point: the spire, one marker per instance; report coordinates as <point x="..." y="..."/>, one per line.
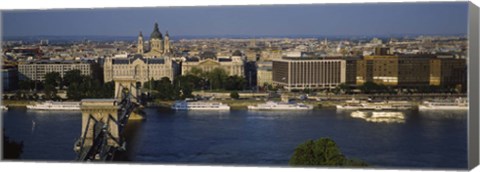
<point x="166" y="33"/>
<point x="140" y="35"/>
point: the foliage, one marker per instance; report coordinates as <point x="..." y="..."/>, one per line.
<point x="11" y="149"/>
<point x="323" y="151"/>
<point x="217" y="78"/>
<point x="234" y="95"/>
<point x="53" y="79"/>
<point x="72" y="76"/>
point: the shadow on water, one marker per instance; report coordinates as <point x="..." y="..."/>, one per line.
<point x="132" y="139"/>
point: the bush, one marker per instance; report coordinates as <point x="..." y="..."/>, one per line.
<point x="323" y="152"/>
<point x="234" y="95"/>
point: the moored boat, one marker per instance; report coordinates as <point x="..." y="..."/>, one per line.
<point x="51" y="105"/>
<point x="3" y="107"/>
<point x="199" y="105"/>
<point x="270" y="105"/>
<point x="457" y="104"/>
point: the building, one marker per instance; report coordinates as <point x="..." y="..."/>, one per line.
<point x="233" y="65"/>
<point x="140" y="68"/>
<point x="36" y="70"/>
<point x="380" y="69"/>
<point x="308" y="73"/>
<point x="264" y="73"/>
<point x="158" y="45"/>
<point x="411" y="70"/>
<point x="9" y="78"/>
<point x="414" y="70"/>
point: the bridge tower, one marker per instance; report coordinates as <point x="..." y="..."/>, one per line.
<point x="126" y="83"/>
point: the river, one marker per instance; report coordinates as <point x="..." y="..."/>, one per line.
<point x="241" y="137"/>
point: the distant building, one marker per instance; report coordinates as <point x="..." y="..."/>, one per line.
<point x="308" y="73"/>
<point x="380" y="69"/>
<point x="411" y="70"/>
<point x="158" y="45"/>
<point x="9" y="79"/>
<point x="140" y="68"/>
<point x="264" y="73"/>
<point x="36" y="70"/>
<point x="232" y="65"/>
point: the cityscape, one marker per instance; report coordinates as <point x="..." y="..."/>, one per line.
<point x="386" y="100"/>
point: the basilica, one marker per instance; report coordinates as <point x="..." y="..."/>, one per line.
<point x="158" y="45"/>
<point x="150" y="62"/>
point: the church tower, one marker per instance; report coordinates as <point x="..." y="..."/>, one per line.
<point x="166" y="43"/>
<point x="156" y="40"/>
<point x="140" y="48"/>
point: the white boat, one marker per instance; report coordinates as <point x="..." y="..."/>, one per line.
<point x="388" y="117"/>
<point x="51" y="105"/>
<point x="3" y="107"/>
<point x="359" y="114"/>
<point x="457" y="104"/>
<point x="270" y="105"/>
<point x="199" y="105"/>
<point x="358" y="105"/>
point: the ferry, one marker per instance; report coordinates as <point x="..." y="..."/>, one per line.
<point x="387" y="117"/>
<point x="51" y="105"/>
<point x="457" y="104"/>
<point x="270" y="105"/>
<point x="390" y="105"/>
<point x="199" y="105"/>
<point x="3" y="107"/>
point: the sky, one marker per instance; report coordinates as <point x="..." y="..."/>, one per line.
<point x="277" y="20"/>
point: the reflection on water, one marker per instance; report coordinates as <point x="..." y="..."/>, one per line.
<point x="459" y="115"/>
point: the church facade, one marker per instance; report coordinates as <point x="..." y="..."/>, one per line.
<point x="150" y="62"/>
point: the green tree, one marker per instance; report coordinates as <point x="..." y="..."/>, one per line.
<point x="50" y="92"/>
<point x="53" y="79"/>
<point x="322" y="152"/>
<point x="234" y="95"/>
<point x="11" y="149"/>
<point x="72" y="76"/>
<point x="235" y="83"/>
<point x="217" y="78"/>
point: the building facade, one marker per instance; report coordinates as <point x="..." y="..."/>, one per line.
<point x="9" y="78"/>
<point x="139" y="68"/>
<point x="232" y="65"/>
<point x="36" y="70"/>
<point x="311" y="73"/>
<point x="411" y="70"/>
<point x="264" y="73"/>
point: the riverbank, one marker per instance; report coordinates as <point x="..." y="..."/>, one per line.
<point x="242" y="104"/>
<point x="16" y="103"/>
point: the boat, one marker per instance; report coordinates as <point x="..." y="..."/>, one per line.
<point x="3" y="107"/>
<point x="388" y="117"/>
<point x="271" y="105"/>
<point x="199" y="105"/>
<point x="457" y="104"/>
<point x="384" y="105"/>
<point x="359" y="114"/>
<point x="52" y="105"/>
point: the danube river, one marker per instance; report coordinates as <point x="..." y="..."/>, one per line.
<point x="240" y="137"/>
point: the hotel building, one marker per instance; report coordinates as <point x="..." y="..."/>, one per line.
<point x="308" y="73"/>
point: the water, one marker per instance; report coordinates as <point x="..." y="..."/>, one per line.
<point x="423" y="140"/>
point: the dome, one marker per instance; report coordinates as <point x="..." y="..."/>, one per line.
<point x="156" y="33"/>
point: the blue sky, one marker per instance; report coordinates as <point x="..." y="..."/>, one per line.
<point x="318" y="19"/>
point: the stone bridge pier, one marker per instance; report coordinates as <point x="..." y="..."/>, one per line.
<point x="98" y="114"/>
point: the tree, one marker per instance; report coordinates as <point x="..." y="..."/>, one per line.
<point x="323" y="152"/>
<point x="217" y="78"/>
<point x="72" y="76"/>
<point x="234" y="95"/>
<point x="11" y="149"/>
<point x="53" y="79"/>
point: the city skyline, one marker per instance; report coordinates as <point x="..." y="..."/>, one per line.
<point x="263" y="20"/>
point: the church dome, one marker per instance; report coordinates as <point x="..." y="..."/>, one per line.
<point x="156" y="33"/>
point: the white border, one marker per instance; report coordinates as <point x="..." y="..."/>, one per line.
<point x="56" y="4"/>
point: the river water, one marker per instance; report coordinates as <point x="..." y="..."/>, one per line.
<point x="240" y="137"/>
